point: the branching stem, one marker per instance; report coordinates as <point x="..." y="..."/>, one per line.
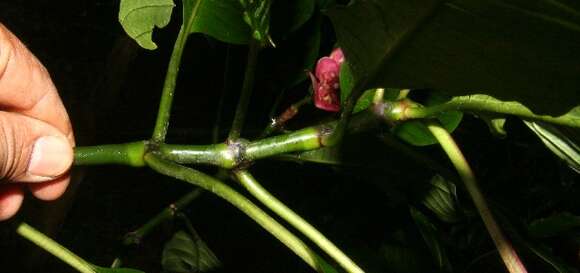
<point x="168" y="213"/>
<point x="239" y="201"/>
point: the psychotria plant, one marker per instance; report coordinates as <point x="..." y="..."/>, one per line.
<point x="407" y="69"/>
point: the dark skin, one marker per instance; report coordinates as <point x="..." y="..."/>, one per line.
<point x="36" y="138"/>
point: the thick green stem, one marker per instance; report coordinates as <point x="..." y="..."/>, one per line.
<point x="216" y="154"/>
<point x="54" y="248"/>
<point x="246" y="92"/>
<point x="506" y="250"/>
<point x="168" y="213"/>
<point x="223" y="155"/>
<point x="222" y="190"/>
<point x="124" y="154"/>
<point x="250" y="183"/>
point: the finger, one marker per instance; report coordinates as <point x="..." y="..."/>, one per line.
<point x="32" y="150"/>
<point x="26" y="87"/>
<point x="11" y="197"/>
<point x="50" y="190"/>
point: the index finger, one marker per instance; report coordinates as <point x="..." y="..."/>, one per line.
<point x="26" y="86"/>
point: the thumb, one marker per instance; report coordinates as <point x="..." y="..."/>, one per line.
<point x="32" y="150"/>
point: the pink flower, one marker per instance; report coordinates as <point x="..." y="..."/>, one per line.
<point x="325" y="81"/>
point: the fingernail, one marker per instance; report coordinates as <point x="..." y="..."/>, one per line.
<point x="51" y="157"/>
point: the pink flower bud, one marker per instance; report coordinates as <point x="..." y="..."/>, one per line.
<point x="325" y="81"/>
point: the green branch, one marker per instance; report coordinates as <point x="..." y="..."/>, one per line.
<point x="168" y="213"/>
<point x="246" y="92"/>
<point x="506" y="250"/>
<point x="239" y="201"/>
<point x="485" y="103"/>
<point x="164" y="112"/>
<point x="122" y="154"/>
<point x="223" y="155"/>
<point x="54" y="248"/>
<point x="250" y="183"/>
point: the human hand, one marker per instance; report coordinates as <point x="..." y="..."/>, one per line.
<point x="36" y="136"/>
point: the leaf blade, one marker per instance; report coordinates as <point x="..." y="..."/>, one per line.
<point x="139" y="18"/>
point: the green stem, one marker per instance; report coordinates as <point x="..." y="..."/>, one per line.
<point x="506" y="251"/>
<point x="215" y="154"/>
<point x="246" y="92"/>
<point x="227" y="83"/>
<point x="164" y="112"/>
<point x="124" y="154"/>
<point x="136" y="236"/>
<point x="250" y="183"/>
<point x="54" y="248"/>
<point x="162" y="122"/>
<point x="222" y="155"/>
<point x="481" y="103"/>
<point x="239" y="201"/>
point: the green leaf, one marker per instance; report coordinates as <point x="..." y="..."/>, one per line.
<point x="257" y="16"/>
<point x="222" y="20"/>
<point x="366" y="99"/>
<point x="505" y="47"/>
<point x="429" y="233"/>
<point x="554" y="225"/>
<point x="346" y="82"/>
<point x="442" y="199"/>
<point x="139" y="17"/>
<point x="416" y="133"/>
<point x="186" y="253"/>
<point x="99" y="269"/>
<point x="558" y="142"/>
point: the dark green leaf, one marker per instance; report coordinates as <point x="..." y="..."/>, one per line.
<point x="442" y="199"/>
<point x="346" y="82"/>
<point x="403" y="259"/>
<point x="222" y="20"/>
<point x="288" y="16"/>
<point x="139" y="17"/>
<point x="323" y="4"/>
<point x="186" y="253"/>
<point x="429" y="233"/>
<point x="558" y="142"/>
<point x="286" y="64"/>
<point x="554" y="225"/>
<point x="547" y="256"/>
<point x="506" y="48"/>
<point x="99" y="269"/>
<point x="416" y="133"/>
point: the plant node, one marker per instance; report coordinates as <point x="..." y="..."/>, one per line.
<point x="237" y="151"/>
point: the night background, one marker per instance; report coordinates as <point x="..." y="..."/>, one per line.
<point x="111" y="89"/>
